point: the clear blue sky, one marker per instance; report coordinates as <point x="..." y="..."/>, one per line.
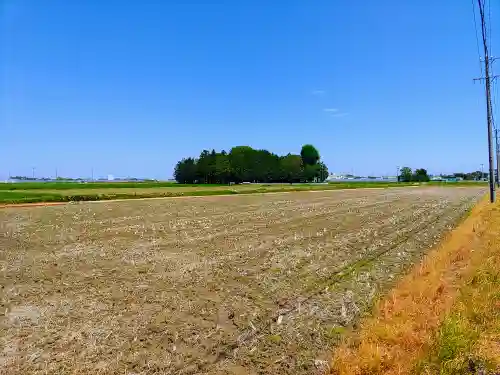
<point x="130" y="87"/>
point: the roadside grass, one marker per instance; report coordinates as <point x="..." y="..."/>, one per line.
<point x="65" y="185"/>
<point x="173" y="185"/>
<point x="468" y="341"/>
<point x="9" y="197"/>
<point x="32" y="192"/>
<point x="412" y="331"/>
<point x="90" y="192"/>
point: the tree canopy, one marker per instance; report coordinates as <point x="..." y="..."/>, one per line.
<point x="185" y="171"/>
<point x="420" y="175"/>
<point x="309" y="155"/>
<point x="245" y="164"/>
<point x="406" y="175"/>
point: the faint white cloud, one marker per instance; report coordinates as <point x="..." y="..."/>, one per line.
<point x="318" y="92"/>
<point x="331" y="110"/>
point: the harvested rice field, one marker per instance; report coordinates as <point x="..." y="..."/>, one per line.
<point x="253" y="284"/>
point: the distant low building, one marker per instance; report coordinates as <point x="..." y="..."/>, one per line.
<point x="446" y="178"/>
<point x="334" y="176"/>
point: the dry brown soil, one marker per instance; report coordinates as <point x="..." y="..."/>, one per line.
<point x="257" y="284"/>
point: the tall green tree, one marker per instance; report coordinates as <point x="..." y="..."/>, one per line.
<point x="405" y="174"/>
<point x="315" y="173"/>
<point x="222" y="168"/>
<point x="292" y="167"/>
<point x="420" y="175"/>
<point x="309" y="155"/>
<point x="204" y="167"/>
<point x="185" y="171"/>
<point x="265" y="166"/>
<point x="310" y="173"/>
<point x="242" y="160"/>
<point x="477" y="175"/>
<point x="322" y="172"/>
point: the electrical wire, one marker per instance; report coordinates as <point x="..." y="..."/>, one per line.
<point x="494" y="82"/>
<point x="489" y="25"/>
<point x="477" y="38"/>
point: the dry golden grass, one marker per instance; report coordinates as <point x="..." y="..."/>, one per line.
<point x="469" y="337"/>
<point x="403" y="326"/>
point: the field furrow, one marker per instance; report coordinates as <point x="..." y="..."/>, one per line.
<point x="216" y="285"/>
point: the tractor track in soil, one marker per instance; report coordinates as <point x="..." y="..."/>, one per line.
<point x="336" y="277"/>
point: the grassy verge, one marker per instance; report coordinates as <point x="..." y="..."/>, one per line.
<point x="468" y="340"/>
<point x="146" y="185"/>
<point x="442" y="318"/>
<point x="31" y="192"/>
<point x="6" y="186"/>
<point x="9" y="197"/>
<point x="61" y="195"/>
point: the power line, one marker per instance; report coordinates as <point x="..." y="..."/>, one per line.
<point x="477" y="38"/>
<point x="489" y="23"/>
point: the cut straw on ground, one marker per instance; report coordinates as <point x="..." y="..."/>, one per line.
<point x="405" y="326"/>
<point x="248" y="284"/>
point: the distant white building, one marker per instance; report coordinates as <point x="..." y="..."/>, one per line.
<point x="111" y="177"/>
<point x="334" y="176"/>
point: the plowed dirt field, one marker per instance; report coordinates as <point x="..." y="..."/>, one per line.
<point x="257" y="284"/>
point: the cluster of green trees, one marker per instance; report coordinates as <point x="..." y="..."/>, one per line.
<point x="473" y="176"/>
<point x="420" y="175"/>
<point x="245" y="164"/>
<point x="407" y="175"/>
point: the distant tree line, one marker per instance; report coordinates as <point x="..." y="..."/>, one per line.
<point x="245" y="164"/>
<point x="407" y="175"/>
<point x="420" y="175"/>
<point x="472" y="176"/>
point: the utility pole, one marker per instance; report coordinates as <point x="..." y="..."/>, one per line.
<point x="482" y="171"/>
<point x="397" y="173"/>
<point x="487" y="80"/>
<point x="33" y="172"/>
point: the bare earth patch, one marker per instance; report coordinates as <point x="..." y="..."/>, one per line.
<point x="208" y="285"/>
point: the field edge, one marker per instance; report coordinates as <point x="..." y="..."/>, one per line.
<point x="20" y="198"/>
<point x="403" y="324"/>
